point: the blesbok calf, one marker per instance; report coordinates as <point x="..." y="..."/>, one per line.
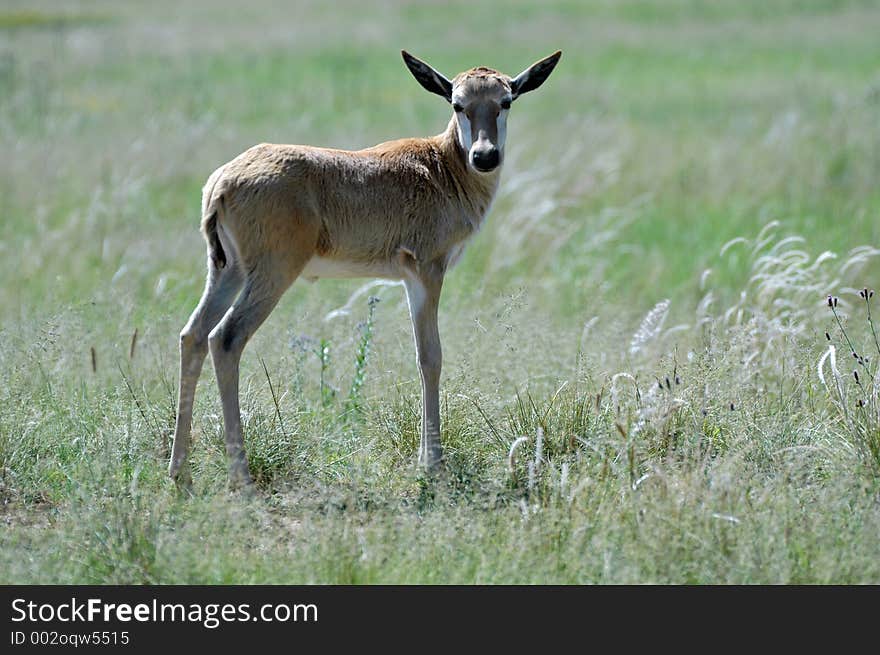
<point x="401" y="210"/>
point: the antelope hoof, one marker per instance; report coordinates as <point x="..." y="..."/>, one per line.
<point x="240" y="480"/>
<point x="244" y="490"/>
<point x="431" y="461"/>
<point x="182" y="476"/>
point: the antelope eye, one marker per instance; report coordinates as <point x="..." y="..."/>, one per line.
<point x="505" y="104"/>
<point x="457" y="107"/>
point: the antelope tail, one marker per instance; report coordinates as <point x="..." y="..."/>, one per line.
<point x="209" y="229"/>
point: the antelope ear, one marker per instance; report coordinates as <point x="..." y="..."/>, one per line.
<point x="533" y="76"/>
<point x="428" y="77"/>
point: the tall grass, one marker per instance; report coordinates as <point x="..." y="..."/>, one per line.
<point x="637" y="383"/>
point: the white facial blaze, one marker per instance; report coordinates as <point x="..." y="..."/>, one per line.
<point x="482" y="140"/>
<point x="465" y="137"/>
<point x="501" y="123"/>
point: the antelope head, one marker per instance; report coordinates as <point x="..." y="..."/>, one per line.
<point x="481" y="98"/>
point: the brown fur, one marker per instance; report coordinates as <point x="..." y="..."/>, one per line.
<point x="361" y="206"/>
<point x="482" y="72"/>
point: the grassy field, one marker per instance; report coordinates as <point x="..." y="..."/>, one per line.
<point x="643" y="317"/>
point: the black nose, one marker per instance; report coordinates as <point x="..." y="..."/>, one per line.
<point x="486" y="160"/>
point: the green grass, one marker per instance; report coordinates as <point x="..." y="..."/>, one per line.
<point x="24" y="19"/>
<point x="668" y="130"/>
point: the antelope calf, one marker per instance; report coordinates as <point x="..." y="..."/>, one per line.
<point x="401" y="210"/>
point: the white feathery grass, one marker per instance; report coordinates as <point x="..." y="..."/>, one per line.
<point x="704" y="276"/>
<point x="727" y="246"/>
<point x="779" y="301"/>
<point x="650" y="327"/>
<point x="676" y="329"/>
<point x="858" y="257"/>
<point x="615" y="394"/>
<point x="511" y="455"/>
<point x="361" y="291"/>
<point x="637" y="483"/>
<point x="537" y="198"/>
<point x="726" y="517"/>
<point x="588" y="326"/>
<point x="539" y="449"/>
<point x="831" y="355"/>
